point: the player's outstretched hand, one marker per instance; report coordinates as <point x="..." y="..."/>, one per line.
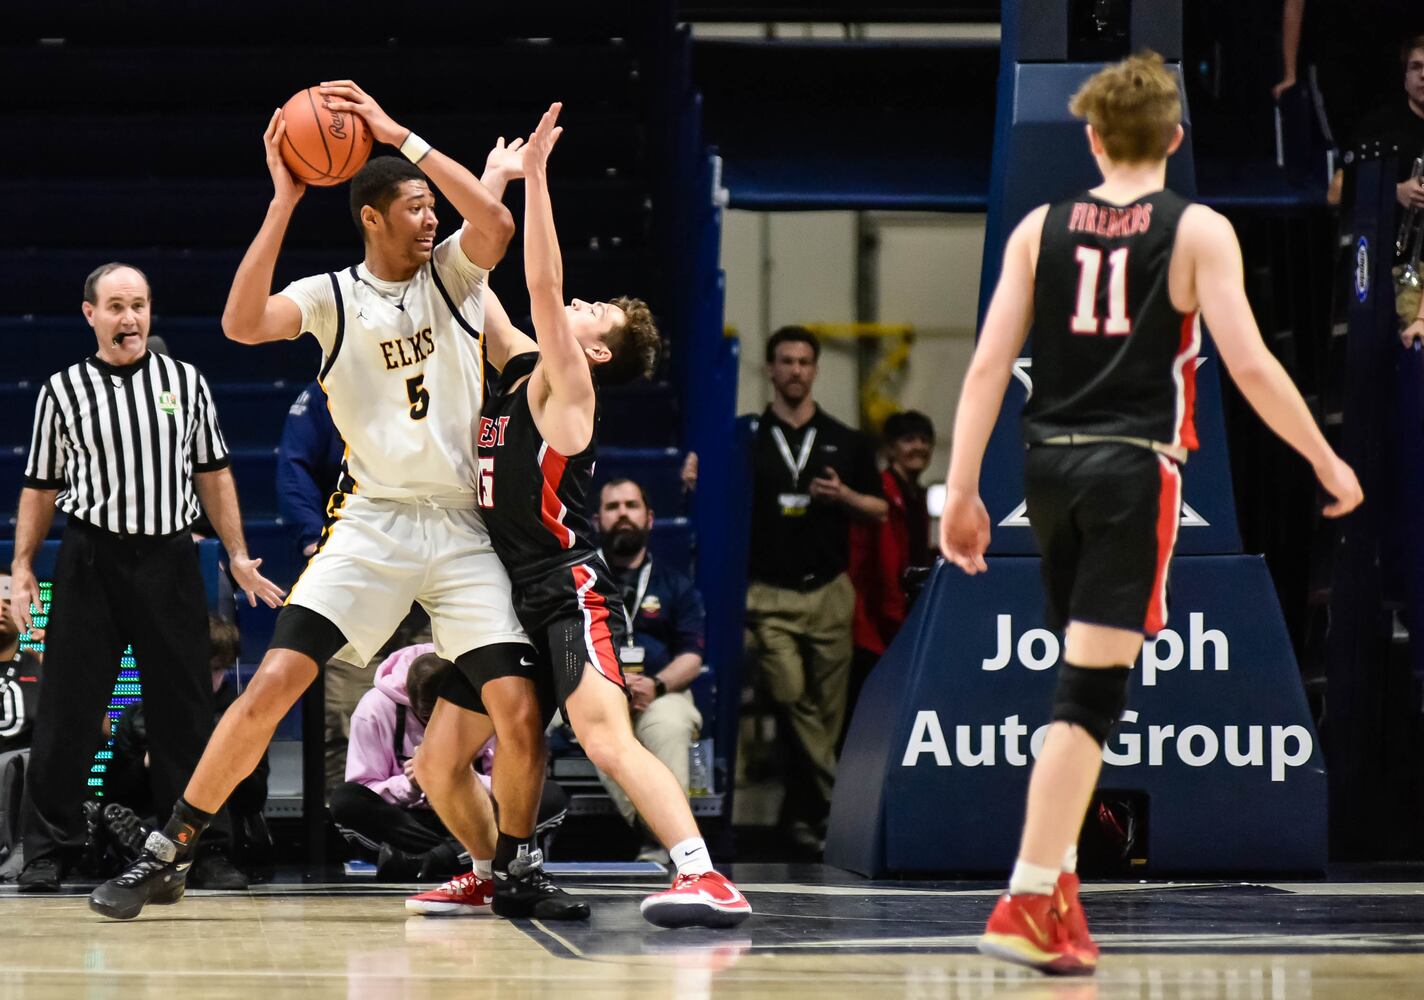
<point x="286" y="187"/>
<point x="244" y="571"/>
<point x="345" y="95"/>
<point x="1338" y="480"/>
<point x="541" y="142"/>
<point x="964" y="531"/>
<point x="507" y="160"/>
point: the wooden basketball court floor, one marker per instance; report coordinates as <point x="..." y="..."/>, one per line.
<point x="818" y="933"/>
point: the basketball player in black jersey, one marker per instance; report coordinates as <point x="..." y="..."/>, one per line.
<point x="1115" y="283"/>
<point x="537" y="446"/>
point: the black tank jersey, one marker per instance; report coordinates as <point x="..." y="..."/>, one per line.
<point x="1111" y="356"/>
<point x="533" y="498"/>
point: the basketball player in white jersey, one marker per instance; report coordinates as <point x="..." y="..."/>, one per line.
<point x="402" y="368"/>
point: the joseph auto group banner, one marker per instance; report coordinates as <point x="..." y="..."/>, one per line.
<point x="1216" y="734"/>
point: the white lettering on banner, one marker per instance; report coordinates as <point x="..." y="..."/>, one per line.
<point x="1195" y="745"/>
<point x="1039" y="649"/>
<point x="926" y="737"/>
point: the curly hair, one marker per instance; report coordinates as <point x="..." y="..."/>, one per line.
<point x="635" y="344"/>
<point x="1133" y="106"/>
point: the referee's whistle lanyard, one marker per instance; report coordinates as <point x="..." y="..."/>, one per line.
<point x="642" y="592"/>
<point x="796" y="465"/>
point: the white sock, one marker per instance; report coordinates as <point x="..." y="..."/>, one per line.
<point x="1070" y="860"/>
<point x="485" y="869"/>
<point x="691" y="857"/>
<point x="1032" y="880"/>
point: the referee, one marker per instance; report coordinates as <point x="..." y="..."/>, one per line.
<point x="126" y="443"/>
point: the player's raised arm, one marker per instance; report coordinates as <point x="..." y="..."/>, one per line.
<point x="488" y="225"/>
<point x="503" y="340"/>
<point x="253" y="314"/>
<point x="964" y="523"/>
<point x="1215" y="257"/>
<point x="564" y="363"/>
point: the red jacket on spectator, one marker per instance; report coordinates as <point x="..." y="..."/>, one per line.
<point x="879" y="555"/>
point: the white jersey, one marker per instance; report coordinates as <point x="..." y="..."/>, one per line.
<point x="403" y="369"/>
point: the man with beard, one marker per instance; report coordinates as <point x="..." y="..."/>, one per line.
<point x="812" y="476"/>
<point x="662" y="654"/>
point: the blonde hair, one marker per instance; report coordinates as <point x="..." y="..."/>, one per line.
<point x="1133" y="106"/>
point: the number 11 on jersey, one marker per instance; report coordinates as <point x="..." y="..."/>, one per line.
<point x="1085" y="313"/>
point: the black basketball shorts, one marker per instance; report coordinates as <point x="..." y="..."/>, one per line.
<point x="1105" y="516"/>
<point x="574" y="617"/>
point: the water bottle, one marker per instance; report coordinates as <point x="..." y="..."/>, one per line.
<point x="699" y="765"/>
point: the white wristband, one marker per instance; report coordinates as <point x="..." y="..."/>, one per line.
<point x="414" y="148"/>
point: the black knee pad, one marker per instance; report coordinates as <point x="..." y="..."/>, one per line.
<point x="1092" y="698"/>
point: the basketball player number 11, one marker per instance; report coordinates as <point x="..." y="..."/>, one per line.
<point x="1085" y="315"/>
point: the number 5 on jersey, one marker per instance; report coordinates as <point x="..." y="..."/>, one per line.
<point x="1085" y="313"/>
<point x="485" y="484"/>
<point x="419" y="397"/>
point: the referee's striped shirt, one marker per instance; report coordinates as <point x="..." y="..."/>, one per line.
<point x="121" y="444"/>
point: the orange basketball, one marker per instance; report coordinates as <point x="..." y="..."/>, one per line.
<point x="322" y="146"/>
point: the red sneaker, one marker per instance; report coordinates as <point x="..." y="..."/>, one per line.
<point x="463" y="895"/>
<point x="1072" y="917"/>
<point x="706" y="900"/>
<point x="1026" y="930"/>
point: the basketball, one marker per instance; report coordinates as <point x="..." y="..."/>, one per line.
<point x="322" y="147"/>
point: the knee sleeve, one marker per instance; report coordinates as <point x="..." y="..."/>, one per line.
<point x="1092" y="698"/>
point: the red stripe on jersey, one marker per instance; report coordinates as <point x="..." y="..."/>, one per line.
<point x="1169" y="514"/>
<point x="551" y="508"/>
<point x="596" y="635"/>
<point x="1184" y="370"/>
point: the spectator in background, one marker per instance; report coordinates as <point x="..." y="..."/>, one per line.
<point x="19" y="679"/>
<point x="666" y="642"/>
<point x="812" y="477"/>
<point x="380" y="808"/>
<point x="308" y="464"/>
<point x="882" y="551"/>
<point x="1399" y="123"/>
<point x="128" y="782"/>
<point x="309" y="461"/>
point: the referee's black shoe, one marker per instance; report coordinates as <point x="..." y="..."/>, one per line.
<point x="158" y="876"/>
<point x="525" y="891"/>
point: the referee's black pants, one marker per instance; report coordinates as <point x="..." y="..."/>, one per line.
<point x="112" y="591"/>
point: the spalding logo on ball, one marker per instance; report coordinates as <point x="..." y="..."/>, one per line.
<point x="322" y="146"/>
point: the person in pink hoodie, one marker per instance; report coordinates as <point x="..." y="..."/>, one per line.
<point x="381" y="809"/>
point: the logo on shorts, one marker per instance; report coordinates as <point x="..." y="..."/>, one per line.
<point x="167" y="402"/>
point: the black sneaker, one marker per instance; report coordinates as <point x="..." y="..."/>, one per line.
<point x="41" y="875"/>
<point x="393" y="865"/>
<point x="126" y="831"/>
<point x="215" y="871"/>
<point x="156" y="877"/>
<point x="525" y="891"/>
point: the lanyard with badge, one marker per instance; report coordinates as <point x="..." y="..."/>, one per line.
<point x="794" y="504"/>
<point x="630" y="654"/>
